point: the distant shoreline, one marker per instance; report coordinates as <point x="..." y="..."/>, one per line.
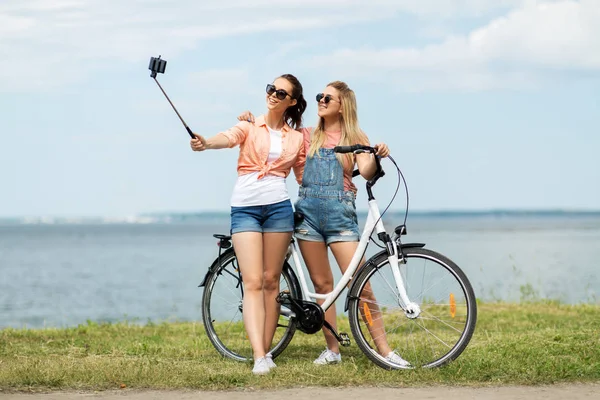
<point x="179" y="217"/>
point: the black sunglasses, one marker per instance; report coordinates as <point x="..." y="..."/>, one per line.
<point x="279" y="93"/>
<point x="325" y="97"/>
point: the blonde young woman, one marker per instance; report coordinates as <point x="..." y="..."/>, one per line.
<point x="327" y="201"/>
<point x="262" y="218"/>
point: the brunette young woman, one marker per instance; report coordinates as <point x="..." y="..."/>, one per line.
<point x="262" y="219"/>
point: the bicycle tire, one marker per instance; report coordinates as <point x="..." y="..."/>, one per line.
<point x="237" y="347"/>
<point x="446" y="321"/>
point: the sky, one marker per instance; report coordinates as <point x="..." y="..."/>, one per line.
<point x="485" y="104"/>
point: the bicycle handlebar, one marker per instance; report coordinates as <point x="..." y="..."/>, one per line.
<point x="359" y="148"/>
<point x="354" y="148"/>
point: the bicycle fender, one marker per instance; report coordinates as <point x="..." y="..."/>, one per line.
<point x="214" y="265"/>
<point x="409" y="245"/>
<point x="203" y="283"/>
<point x="370" y="261"/>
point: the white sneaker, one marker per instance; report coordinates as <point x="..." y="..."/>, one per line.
<point x="328" y="357"/>
<point x="261" y="367"/>
<point x="270" y="361"/>
<point x="396" y="359"/>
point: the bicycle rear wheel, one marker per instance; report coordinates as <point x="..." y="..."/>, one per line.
<point x="437" y="335"/>
<point x="222" y="310"/>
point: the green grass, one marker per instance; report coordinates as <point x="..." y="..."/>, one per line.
<point x="534" y="343"/>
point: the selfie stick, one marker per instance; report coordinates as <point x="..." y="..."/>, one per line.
<point x="158" y="66"/>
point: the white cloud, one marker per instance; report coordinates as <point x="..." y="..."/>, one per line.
<point x="527" y="45"/>
<point x="441" y="8"/>
<point x="11" y="25"/>
<point x="51" y="42"/>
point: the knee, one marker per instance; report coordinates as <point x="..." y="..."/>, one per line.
<point x="271" y="282"/>
<point x="323" y="284"/>
<point x="253" y="284"/>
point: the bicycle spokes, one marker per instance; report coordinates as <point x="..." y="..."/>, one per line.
<point x="222" y="311"/>
<point x="435" y="334"/>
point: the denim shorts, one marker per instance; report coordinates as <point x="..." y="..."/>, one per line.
<point x="329" y="216"/>
<point x="278" y="217"/>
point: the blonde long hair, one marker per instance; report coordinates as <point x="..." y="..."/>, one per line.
<point x="351" y="132"/>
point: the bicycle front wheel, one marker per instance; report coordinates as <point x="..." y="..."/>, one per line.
<point x="222" y="310"/>
<point x="430" y="338"/>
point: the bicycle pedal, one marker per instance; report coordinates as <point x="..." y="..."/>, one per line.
<point x="283" y="296"/>
<point x="345" y="339"/>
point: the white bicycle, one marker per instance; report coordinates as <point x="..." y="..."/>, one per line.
<point x="417" y="301"/>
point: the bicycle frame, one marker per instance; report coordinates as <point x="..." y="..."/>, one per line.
<point x="429" y="348"/>
<point x="374" y="222"/>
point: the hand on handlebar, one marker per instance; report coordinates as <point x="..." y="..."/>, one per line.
<point x="351" y="149"/>
<point x="382" y="150"/>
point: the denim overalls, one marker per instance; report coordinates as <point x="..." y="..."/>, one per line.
<point x="329" y="211"/>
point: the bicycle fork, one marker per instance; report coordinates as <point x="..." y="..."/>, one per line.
<point x="411" y="309"/>
<point x="395" y="258"/>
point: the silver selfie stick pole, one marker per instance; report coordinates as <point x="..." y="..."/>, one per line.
<point x="158" y="66"/>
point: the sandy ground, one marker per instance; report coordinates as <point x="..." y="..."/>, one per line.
<point x="554" y="392"/>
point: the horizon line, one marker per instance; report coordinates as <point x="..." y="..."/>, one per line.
<point x="156" y="214"/>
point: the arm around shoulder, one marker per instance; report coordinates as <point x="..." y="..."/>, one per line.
<point x="300" y="163"/>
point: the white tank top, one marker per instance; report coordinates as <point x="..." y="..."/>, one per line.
<point x="271" y="189"/>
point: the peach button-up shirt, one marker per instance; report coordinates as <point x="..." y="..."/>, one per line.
<point x="254" y="140"/>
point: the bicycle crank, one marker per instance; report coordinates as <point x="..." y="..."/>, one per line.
<point x="309" y="315"/>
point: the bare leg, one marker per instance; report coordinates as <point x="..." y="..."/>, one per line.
<point x="275" y="247"/>
<point x="249" y="251"/>
<point x="317" y="262"/>
<point x="343" y="253"/>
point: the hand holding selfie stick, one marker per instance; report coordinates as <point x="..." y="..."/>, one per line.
<point x="158" y="66"/>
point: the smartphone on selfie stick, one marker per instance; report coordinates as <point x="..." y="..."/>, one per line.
<point x="158" y="66"/>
